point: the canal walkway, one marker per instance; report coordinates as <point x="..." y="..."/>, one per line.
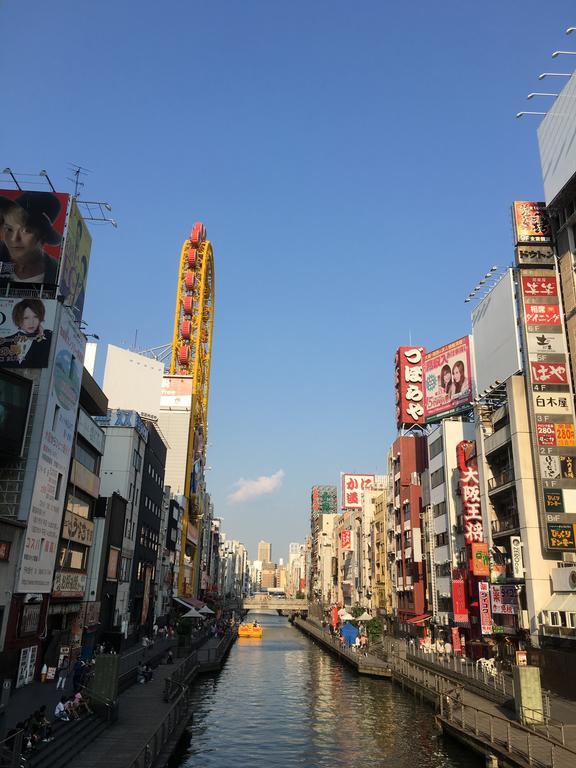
<point x="476" y="710"/>
<point x="148" y="719"/>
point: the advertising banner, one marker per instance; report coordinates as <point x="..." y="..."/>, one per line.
<point x="517" y="557"/>
<point x="409" y="386"/>
<point x="26" y="327"/>
<point x="448" y="380"/>
<point x="345" y="539"/>
<point x="76" y="528"/>
<point x="550" y="403"/>
<point x="469" y="485"/>
<point x="352" y="487"/>
<point x="75" y="261"/>
<point x="48" y="494"/>
<point x="324" y="499"/>
<point x="484" y="606"/>
<point x="176" y="392"/>
<point x="15" y="394"/>
<point x="480" y="560"/>
<point x="504" y="599"/>
<point x="534" y="256"/>
<point x="69" y="584"/>
<point x="459" y="605"/>
<point x="531" y="222"/>
<point x="31" y="232"/>
<point x="456" y="644"/>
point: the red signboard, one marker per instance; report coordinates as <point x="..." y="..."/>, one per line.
<point x="409" y="368"/>
<point x="459" y="607"/>
<point x="540" y="285"/>
<point x="470" y="491"/>
<point x="484" y="606"/>
<point x="345" y="538"/>
<point x="456" y="644"/>
<point x="549" y="373"/>
<point x="542" y="314"/>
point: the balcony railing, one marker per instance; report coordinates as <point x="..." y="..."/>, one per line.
<point x="501" y="478"/>
<point x="553" y="631"/>
<point x="505" y="523"/>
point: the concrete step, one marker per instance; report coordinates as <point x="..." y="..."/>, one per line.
<point x="69" y="739"/>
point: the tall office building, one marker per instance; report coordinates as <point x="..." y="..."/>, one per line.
<point x="264" y="551"/>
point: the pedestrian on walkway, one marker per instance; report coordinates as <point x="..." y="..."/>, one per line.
<point x="60" y="710"/>
<point x="62" y="673"/>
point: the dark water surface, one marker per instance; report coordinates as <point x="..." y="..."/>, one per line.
<point x="282" y="701"/>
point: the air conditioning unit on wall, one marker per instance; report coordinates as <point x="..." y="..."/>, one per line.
<point x="564" y="579"/>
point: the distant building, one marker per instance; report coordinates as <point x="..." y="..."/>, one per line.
<point x="264" y="551"/>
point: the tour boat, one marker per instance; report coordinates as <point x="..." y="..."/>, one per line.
<point x="250" y="630"/>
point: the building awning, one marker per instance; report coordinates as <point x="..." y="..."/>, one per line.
<point x="189" y="602"/>
<point x="562" y="602"/>
<point x="419" y="619"/>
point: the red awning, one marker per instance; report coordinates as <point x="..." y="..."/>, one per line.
<point x="419" y="619"/>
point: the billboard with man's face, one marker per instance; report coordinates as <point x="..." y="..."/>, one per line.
<point x="31" y="233"/>
<point x="75" y="262"/>
<point x="26" y="327"/>
<point x="448" y="380"/>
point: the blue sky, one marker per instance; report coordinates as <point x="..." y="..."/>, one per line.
<point x="354" y="165"/>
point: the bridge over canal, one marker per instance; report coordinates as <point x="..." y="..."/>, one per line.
<point x="271" y="603"/>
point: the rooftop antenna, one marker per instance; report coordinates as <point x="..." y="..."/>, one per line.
<point x="77" y="171"/>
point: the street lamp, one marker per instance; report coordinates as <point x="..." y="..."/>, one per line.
<point x="563" y="53"/>
<point x="531" y="95"/>
<point x="521" y="114"/>
<point x="570" y="30"/>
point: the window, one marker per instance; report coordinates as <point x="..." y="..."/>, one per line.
<point x="439" y="509"/>
<point x="136" y="460"/>
<point x="80" y="503"/>
<point x="87" y="456"/>
<point x="441" y="539"/>
<point x="436" y="447"/>
<point x="72" y="556"/>
<point x="437" y="478"/>
<point x="125" y="568"/>
<point x="58" y="486"/>
<point x="113" y="559"/>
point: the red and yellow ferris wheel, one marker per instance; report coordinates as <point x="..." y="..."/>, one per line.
<point x="193" y="323"/>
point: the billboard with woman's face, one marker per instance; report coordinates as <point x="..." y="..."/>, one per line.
<point x="448" y="380"/>
<point x="31" y="233"/>
<point x="26" y="327"/>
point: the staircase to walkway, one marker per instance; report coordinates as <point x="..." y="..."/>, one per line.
<point x="67" y="739"/>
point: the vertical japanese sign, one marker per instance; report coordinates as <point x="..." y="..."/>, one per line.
<point x="484" y="606"/>
<point x="324" y="499"/>
<point x="480" y="560"/>
<point x="352" y="489"/>
<point x="550" y="403"/>
<point x="47" y="504"/>
<point x="470" y="491"/>
<point x="456" y="644"/>
<point x="345" y="539"/>
<point x="459" y="606"/>
<point x="409" y="370"/>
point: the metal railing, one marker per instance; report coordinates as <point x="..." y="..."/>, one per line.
<point x="503" y="477"/>
<point x="11" y="749"/>
<point x="151" y="750"/>
<point x="546" y="750"/>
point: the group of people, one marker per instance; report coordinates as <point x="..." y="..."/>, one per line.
<point x="82" y="672"/>
<point x="36" y="729"/>
<point x="72" y="707"/>
<point x="144" y="673"/>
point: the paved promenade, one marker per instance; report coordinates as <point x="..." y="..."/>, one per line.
<point x="24" y="701"/>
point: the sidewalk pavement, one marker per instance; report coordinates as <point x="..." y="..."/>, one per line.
<point x="561" y="709"/>
<point x="24" y="701"/>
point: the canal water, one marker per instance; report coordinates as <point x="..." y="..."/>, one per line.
<point x="282" y="701"/>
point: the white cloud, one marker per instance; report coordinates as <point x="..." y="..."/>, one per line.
<point x="251" y="489"/>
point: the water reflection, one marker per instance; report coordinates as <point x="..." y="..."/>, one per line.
<point x="282" y="701"/>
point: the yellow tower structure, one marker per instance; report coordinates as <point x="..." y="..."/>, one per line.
<point x="191" y="357"/>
